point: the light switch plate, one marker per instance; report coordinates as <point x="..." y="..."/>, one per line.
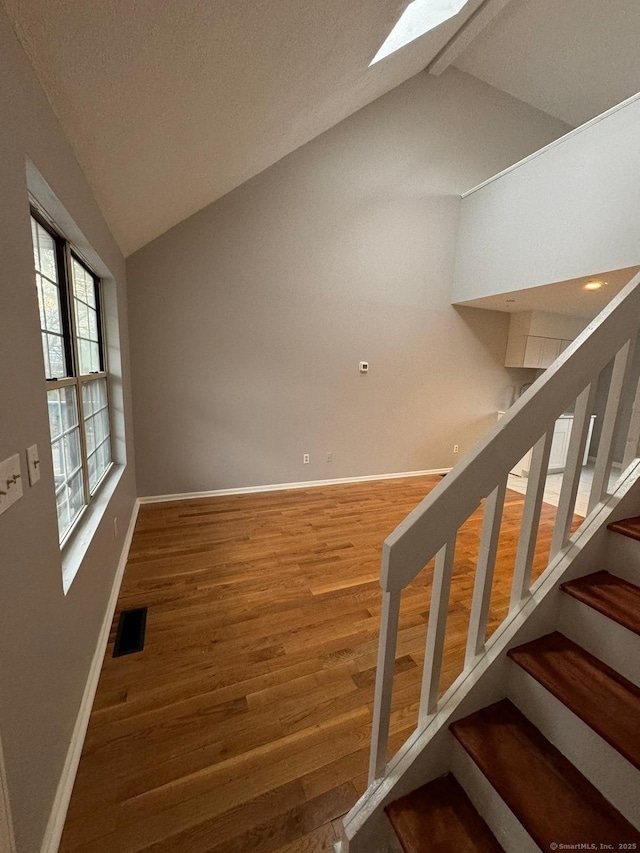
<point x="5" y="502"/>
<point x="10" y="480"/>
<point x="33" y="464"/>
<point x="15" y="474"/>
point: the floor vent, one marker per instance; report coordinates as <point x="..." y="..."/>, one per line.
<point x="130" y="636"/>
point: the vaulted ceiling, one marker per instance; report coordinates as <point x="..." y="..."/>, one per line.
<point x="574" y="59"/>
<point x="170" y="105"/>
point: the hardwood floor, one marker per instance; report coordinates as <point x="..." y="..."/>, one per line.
<point x="243" y="726"/>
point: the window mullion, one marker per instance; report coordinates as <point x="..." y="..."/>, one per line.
<point x="76" y="369"/>
<point x="104" y="360"/>
<point x="102" y="337"/>
<point x="104" y="354"/>
<point x="65" y="304"/>
<point x="105" y="365"/>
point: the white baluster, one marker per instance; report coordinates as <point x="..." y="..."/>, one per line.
<point x="436" y="631"/>
<point x="632" y="443"/>
<point x="573" y="469"/>
<point x="483" y="585"/>
<point x="384" y="683"/>
<point x="622" y="370"/>
<point x="531" y="518"/>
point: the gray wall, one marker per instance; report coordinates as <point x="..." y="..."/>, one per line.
<point x="572" y="211"/>
<point x="47" y="638"/>
<point x="249" y="319"/>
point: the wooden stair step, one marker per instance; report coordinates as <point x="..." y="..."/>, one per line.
<point x="614" y="597"/>
<point x="627" y="526"/>
<point x="599" y="695"/>
<point x="552" y="800"/>
<point x="440" y="818"/>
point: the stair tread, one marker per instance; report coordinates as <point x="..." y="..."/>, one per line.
<point x="614" y="597"/>
<point x="552" y="800"/>
<point x="599" y="695"/>
<point x="627" y="526"/>
<point x="440" y="818"/>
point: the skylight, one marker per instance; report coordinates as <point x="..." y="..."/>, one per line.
<point x="418" y="18"/>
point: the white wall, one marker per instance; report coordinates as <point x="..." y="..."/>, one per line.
<point x="572" y="211"/>
<point x="47" y="639"/>
<point x="249" y="319"/>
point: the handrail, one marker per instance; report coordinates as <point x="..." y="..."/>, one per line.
<point x="423" y="532"/>
<point x="554" y="144"/>
<point x="431" y="529"/>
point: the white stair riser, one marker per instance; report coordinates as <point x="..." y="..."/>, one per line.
<point x="604" y="638"/>
<point x="611" y="773"/>
<point x="506" y="827"/>
<point x="623" y="557"/>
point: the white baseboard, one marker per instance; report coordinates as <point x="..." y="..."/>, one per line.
<point x="278" y="487"/>
<point x="53" y="832"/>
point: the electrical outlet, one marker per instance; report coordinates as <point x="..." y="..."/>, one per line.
<point x="455" y="448"/>
<point x="305" y="458"/>
<point x="329" y="456"/>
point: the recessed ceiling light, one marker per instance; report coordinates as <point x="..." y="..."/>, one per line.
<point x="417" y="19"/>
<point x="593" y="285"/>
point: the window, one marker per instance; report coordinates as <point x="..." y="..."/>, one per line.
<point x="420" y="17"/>
<point x="75" y="372"/>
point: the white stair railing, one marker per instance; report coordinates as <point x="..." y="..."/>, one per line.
<point x="432" y="528"/>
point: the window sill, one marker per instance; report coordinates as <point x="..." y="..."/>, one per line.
<point x="76" y="546"/>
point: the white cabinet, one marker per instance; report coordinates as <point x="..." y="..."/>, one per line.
<point x="515" y="351"/>
<point x="523" y="466"/>
<point x="560" y="444"/>
<point x="533" y="351"/>
<point x="559" y="448"/>
<point x="537" y="338"/>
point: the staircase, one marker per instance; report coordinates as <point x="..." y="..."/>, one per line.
<point x="537" y="743"/>
<point x="518" y="775"/>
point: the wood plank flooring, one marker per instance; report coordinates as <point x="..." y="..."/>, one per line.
<point x="243" y="726"/>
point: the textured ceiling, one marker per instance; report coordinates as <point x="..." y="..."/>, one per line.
<point x="573" y="59"/>
<point x="170" y="105"/>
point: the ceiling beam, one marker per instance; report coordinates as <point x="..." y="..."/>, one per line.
<point x="461" y="40"/>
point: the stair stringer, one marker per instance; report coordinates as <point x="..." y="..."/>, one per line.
<point x="428" y="753"/>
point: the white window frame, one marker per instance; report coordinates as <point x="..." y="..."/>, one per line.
<point x="66" y="254"/>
